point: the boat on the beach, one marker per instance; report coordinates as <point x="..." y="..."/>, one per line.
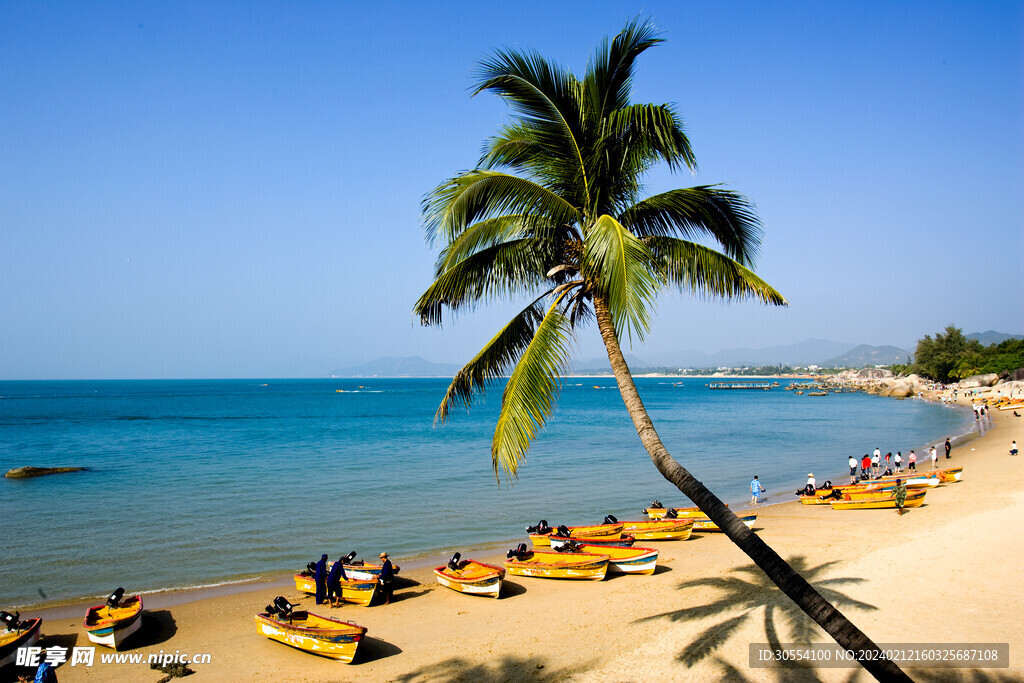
<point x="914" y="499"/>
<point x="541" y="534"/>
<point x="660" y="529"/>
<point x="623" y="541"/>
<point x="621" y="560"/>
<point x="471" y="576"/>
<point x="112" y="623"/>
<point x="357" y="569"/>
<point x="16" y="634"/>
<point x="356" y="591"/>
<point x="551" y="564"/>
<point x="309" y="632"/>
<point x="701" y="522"/>
<point x="656" y="511"/>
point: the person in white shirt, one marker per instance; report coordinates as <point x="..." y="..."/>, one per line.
<point x="853" y="466"/>
<point x="876" y="460"/>
<point x="898" y="460"/>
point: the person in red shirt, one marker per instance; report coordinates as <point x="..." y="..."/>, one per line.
<point x="865" y="466"/>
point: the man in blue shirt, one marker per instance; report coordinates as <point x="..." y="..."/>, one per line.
<point x="755" y="490"/>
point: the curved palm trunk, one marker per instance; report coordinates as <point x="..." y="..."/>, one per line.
<point x="778" y="570"/>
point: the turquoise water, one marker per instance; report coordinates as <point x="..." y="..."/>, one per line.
<point x="199" y="482"/>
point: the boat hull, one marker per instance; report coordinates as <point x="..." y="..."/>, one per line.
<point x="624" y="541"/>
<point x="887" y="503"/>
<point x="660" y="530"/>
<point x="112" y="627"/>
<point x="472" y="578"/>
<point x="606" y="532"/>
<point x="10" y="641"/>
<point x="626" y="560"/>
<point x="354" y="591"/>
<point x="555" y="565"/>
<point x="326" y="637"/>
<point x="701" y="522"/>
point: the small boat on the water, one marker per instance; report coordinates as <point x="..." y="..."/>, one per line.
<point x="914" y="499"/>
<point x="356" y="591"/>
<point x="620" y="560"/>
<point x="110" y="624"/>
<point x="541" y="534"/>
<point x="471" y="577"/>
<point x="16" y="634"/>
<point x="551" y="564"/>
<point x="623" y="541"/>
<point x="308" y="632"/>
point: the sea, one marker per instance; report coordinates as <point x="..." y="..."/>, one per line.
<point x="210" y="482"/>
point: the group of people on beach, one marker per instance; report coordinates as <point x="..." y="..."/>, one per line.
<point x="871" y="466"/>
<point x="328" y="581"/>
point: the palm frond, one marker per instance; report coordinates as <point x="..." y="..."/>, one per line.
<point x="505" y="269"/>
<point x="697" y="269"/>
<point x="692" y="212"/>
<point x="480" y="235"/>
<point x="496" y="356"/>
<point x="529" y="396"/>
<point x="625" y="272"/>
<point x="610" y="71"/>
<point x="477" y="195"/>
<point x="646" y="132"/>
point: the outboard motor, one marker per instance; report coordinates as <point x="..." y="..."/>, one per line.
<point x="518" y="552"/>
<point x="540" y="528"/>
<point x="568" y="547"/>
<point x="610" y="519"/>
<point x="284" y="608"/>
<point x="311" y="568"/>
<point x="657" y="504"/>
<point x="563" y="531"/>
<point x="828" y="485"/>
<point x="270" y="609"/>
<point x="453" y="563"/>
<point x="348" y="558"/>
<point x="671" y="513"/>
<point x="115" y="598"/>
<point x="10" y="621"/>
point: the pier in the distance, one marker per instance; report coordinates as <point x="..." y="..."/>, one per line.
<point x="740" y="385"/>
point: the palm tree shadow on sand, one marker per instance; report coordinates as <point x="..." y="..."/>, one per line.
<point x="750" y="591"/>
<point x="534" y="669"/>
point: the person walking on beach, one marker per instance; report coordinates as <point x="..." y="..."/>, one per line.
<point x="888" y="457"/>
<point x="755" y="490"/>
<point x="320" y="579"/>
<point x="900" y="496"/>
<point x="853" y="466"/>
<point x="912" y="462"/>
<point x="1013" y="447"/>
<point x="387" y="577"/>
<point x="876" y="460"/>
<point x="865" y="465"/>
<point x="334" y="579"/>
<point x="949" y="447"/>
<point x="898" y="461"/>
<point x="934" y="455"/>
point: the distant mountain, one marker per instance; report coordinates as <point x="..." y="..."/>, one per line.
<point x="602" y="364"/>
<point x="864" y="355"/>
<point x="808" y="352"/>
<point x="990" y="337"/>
<point x="410" y="366"/>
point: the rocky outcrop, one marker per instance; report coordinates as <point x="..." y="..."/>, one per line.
<point x="27" y="472"/>
<point x="902" y="389"/>
<point x="977" y="381"/>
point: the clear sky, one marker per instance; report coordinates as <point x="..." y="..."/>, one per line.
<point x="232" y="189"/>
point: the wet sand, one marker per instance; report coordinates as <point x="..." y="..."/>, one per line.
<point x="948" y="572"/>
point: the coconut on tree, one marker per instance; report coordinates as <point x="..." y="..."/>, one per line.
<point x="554" y="213"/>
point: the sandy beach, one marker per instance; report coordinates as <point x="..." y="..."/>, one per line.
<point x="948" y="572"/>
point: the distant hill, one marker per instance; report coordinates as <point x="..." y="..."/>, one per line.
<point x="864" y="354"/>
<point x="410" y="366"/>
<point x="807" y="352"/>
<point x="990" y="337"/>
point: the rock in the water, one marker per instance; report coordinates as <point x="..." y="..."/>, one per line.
<point x="26" y="472"/>
<point x="902" y="389"/>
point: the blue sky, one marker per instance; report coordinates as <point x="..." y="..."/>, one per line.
<point x="215" y="189"/>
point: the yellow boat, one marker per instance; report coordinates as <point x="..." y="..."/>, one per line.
<point x="111" y="624"/>
<point x="623" y="541"/>
<point x="622" y="560"/>
<point x="551" y="564"/>
<point x="660" y="529"/>
<point x="950" y="474"/>
<point x="880" y="503"/>
<point x="540" y="534"/>
<point x="887" y="493"/>
<point x="16" y="634"/>
<point x="657" y="511"/>
<point x="354" y="590"/>
<point x="311" y="633"/>
<point x="471" y="577"/>
<point x="703" y="523"/>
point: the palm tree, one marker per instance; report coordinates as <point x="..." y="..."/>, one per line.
<point x="554" y="212"/>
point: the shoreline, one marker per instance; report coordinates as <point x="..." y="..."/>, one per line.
<point x="229" y="585"/>
<point x="960" y="526"/>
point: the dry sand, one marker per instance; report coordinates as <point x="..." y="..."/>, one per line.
<point x="948" y="572"/>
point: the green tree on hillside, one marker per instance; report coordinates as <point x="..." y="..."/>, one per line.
<point x="939" y="358"/>
<point x="554" y="211"/>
